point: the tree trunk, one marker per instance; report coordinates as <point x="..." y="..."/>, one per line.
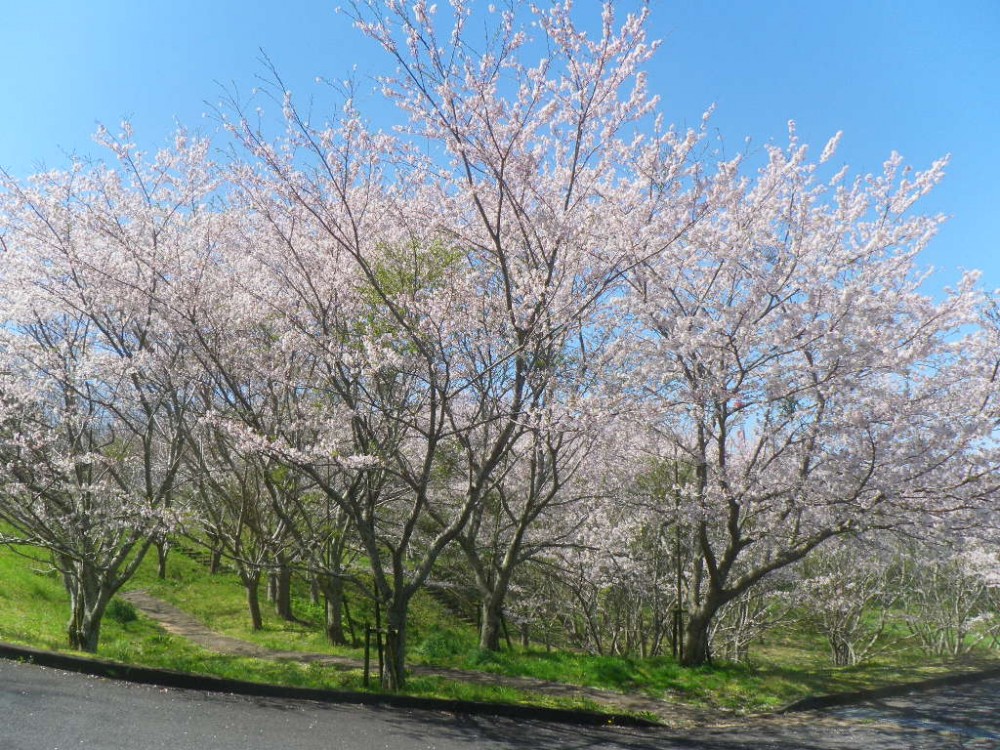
<point x="842" y="650"/>
<point x="394" y="676"/>
<point x="696" y="646"/>
<point x="333" y="591"/>
<point x="335" y="621"/>
<point x="162" y="551"/>
<point x="88" y="601"/>
<point x="491" y="622"/>
<point x="84" y="630"/>
<point x="251" y="582"/>
<point x="215" y="563"/>
<point x="699" y="625"/>
<point x="282" y="578"/>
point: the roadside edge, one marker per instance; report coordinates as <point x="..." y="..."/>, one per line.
<point x="187" y="681"/>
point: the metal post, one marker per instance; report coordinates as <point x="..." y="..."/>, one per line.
<point x="368" y="650"/>
<point x="678" y="633"/>
<point x="674" y="634"/>
<point x="679" y="611"/>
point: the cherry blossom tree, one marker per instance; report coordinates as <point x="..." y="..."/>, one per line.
<point x="252" y="389"/>
<point x="508" y="175"/>
<point x="791" y="360"/>
<point x="538" y="494"/>
<point x="93" y="398"/>
<point x="231" y="497"/>
<point x="456" y="332"/>
<point x="848" y="591"/>
<point x="367" y="391"/>
<point x="948" y="595"/>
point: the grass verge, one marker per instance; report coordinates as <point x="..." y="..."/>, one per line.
<point x="34" y="608"/>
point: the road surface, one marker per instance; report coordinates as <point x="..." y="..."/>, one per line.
<point x="48" y="709"/>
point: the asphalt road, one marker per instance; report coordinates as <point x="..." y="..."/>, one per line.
<point x="47" y="709"/>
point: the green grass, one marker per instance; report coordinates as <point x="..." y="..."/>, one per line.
<point x="790" y="666"/>
<point x="219" y="602"/>
<point x="771" y="682"/>
<point x="34" y="607"/>
<point x="34" y="610"/>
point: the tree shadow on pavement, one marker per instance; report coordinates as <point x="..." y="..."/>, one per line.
<point x="814" y="732"/>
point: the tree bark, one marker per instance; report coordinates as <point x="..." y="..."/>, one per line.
<point x="697" y="649"/>
<point x="89" y="591"/>
<point x="696" y="645"/>
<point x="251" y="582"/>
<point x="162" y="552"/>
<point x="333" y="592"/>
<point x="842" y="651"/>
<point x="88" y="601"/>
<point x="491" y="619"/>
<point x="282" y="578"/>
<point x="394" y="676"/>
<point x="84" y="630"/>
<point x="215" y="562"/>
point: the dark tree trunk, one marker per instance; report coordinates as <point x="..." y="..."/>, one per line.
<point x="333" y="592"/>
<point x="699" y="625"/>
<point x="215" y="563"/>
<point x="282" y="578"/>
<point x="394" y="676"/>
<point x="335" y="621"/>
<point x="251" y="582"/>
<point x="87" y="606"/>
<point x="843" y="653"/>
<point x="216" y="548"/>
<point x="491" y="627"/>
<point x="162" y="552"/>
<point x="696" y="646"/>
<point x="493" y="594"/>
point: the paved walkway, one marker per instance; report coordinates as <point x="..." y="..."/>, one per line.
<point x="180" y="623"/>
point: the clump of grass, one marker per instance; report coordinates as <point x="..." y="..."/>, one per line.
<point x="122" y="612"/>
<point x="442" y="647"/>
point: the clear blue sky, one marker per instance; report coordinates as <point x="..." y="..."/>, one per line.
<point x="918" y="76"/>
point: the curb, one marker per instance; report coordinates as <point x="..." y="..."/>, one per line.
<point x="186" y="681"/>
<point x="859" y="696"/>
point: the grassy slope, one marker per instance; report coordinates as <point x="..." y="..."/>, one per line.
<point x="33" y="611"/>
<point x="34" y="608"/>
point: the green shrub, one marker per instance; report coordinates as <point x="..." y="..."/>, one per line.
<point x="122" y="612"/>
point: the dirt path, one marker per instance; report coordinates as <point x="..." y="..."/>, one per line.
<point x="181" y="624"/>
